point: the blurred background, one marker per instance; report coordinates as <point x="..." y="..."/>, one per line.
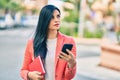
<point x="94" y="24"/>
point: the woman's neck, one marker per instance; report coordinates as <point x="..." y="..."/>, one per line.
<point x="52" y="34"/>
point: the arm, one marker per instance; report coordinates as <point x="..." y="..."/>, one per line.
<point x="27" y="60"/>
<point x="70" y="71"/>
<point x="70" y="68"/>
<point x="25" y="73"/>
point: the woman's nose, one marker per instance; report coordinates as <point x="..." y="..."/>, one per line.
<point x="57" y="19"/>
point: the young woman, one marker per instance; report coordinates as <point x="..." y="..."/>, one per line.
<point x="47" y="43"/>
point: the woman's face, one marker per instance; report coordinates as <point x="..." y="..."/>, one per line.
<point x="55" y="21"/>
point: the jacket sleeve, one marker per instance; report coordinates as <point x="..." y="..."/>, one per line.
<point x="27" y="60"/>
<point x="70" y="72"/>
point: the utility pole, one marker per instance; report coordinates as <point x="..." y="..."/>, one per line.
<point x="82" y="12"/>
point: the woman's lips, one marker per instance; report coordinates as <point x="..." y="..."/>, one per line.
<point x="57" y="25"/>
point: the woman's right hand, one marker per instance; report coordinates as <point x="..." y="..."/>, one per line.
<point x="35" y="75"/>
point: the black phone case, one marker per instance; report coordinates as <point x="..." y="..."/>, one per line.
<point x="66" y="46"/>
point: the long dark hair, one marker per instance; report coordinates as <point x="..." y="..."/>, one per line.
<point x="40" y="36"/>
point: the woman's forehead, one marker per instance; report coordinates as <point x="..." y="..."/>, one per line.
<point x="56" y="12"/>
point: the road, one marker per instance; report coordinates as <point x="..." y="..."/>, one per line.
<point x="12" y="46"/>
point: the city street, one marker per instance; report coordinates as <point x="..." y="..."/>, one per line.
<point x="97" y="22"/>
<point x="12" y="46"/>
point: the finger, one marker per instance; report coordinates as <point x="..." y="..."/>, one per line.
<point x="64" y="54"/>
<point x="39" y="73"/>
<point x="67" y="57"/>
<point x="63" y="57"/>
<point x="69" y="52"/>
<point x="40" y="77"/>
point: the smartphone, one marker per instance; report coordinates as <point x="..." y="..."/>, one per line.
<point x="67" y="46"/>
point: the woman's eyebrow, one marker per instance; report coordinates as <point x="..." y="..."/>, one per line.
<point x="58" y="14"/>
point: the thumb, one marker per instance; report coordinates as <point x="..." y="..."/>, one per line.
<point x="39" y="73"/>
<point x="69" y="52"/>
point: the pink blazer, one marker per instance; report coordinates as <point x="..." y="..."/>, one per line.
<point x="62" y="72"/>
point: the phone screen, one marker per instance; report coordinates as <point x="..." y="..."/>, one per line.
<point x="67" y="46"/>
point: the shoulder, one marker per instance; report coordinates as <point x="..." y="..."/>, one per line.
<point x="30" y="42"/>
<point x="66" y="37"/>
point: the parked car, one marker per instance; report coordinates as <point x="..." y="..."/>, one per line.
<point x="25" y="21"/>
<point x="6" y="22"/>
<point x="30" y="20"/>
<point x="2" y="22"/>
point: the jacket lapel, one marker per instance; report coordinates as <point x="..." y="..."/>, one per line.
<point x="60" y="41"/>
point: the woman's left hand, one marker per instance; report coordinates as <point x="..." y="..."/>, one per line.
<point x="70" y="58"/>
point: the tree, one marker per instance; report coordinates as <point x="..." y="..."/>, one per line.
<point x="12" y="5"/>
<point x="73" y="13"/>
<point x="72" y="17"/>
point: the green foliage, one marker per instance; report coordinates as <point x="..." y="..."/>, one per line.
<point x="65" y="30"/>
<point x="118" y="37"/>
<point x="73" y="17"/>
<point x="98" y="33"/>
<point x="69" y="1"/>
<point x="69" y="31"/>
<point x="3" y="3"/>
<point x="14" y="6"/>
<point x="74" y="13"/>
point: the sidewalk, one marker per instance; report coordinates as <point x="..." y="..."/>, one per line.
<point x="87" y="40"/>
<point x="89" y="67"/>
<point x="92" y="41"/>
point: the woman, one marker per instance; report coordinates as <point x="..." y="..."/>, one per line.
<point x="47" y="43"/>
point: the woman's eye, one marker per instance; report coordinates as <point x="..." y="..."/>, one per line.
<point x="58" y="16"/>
